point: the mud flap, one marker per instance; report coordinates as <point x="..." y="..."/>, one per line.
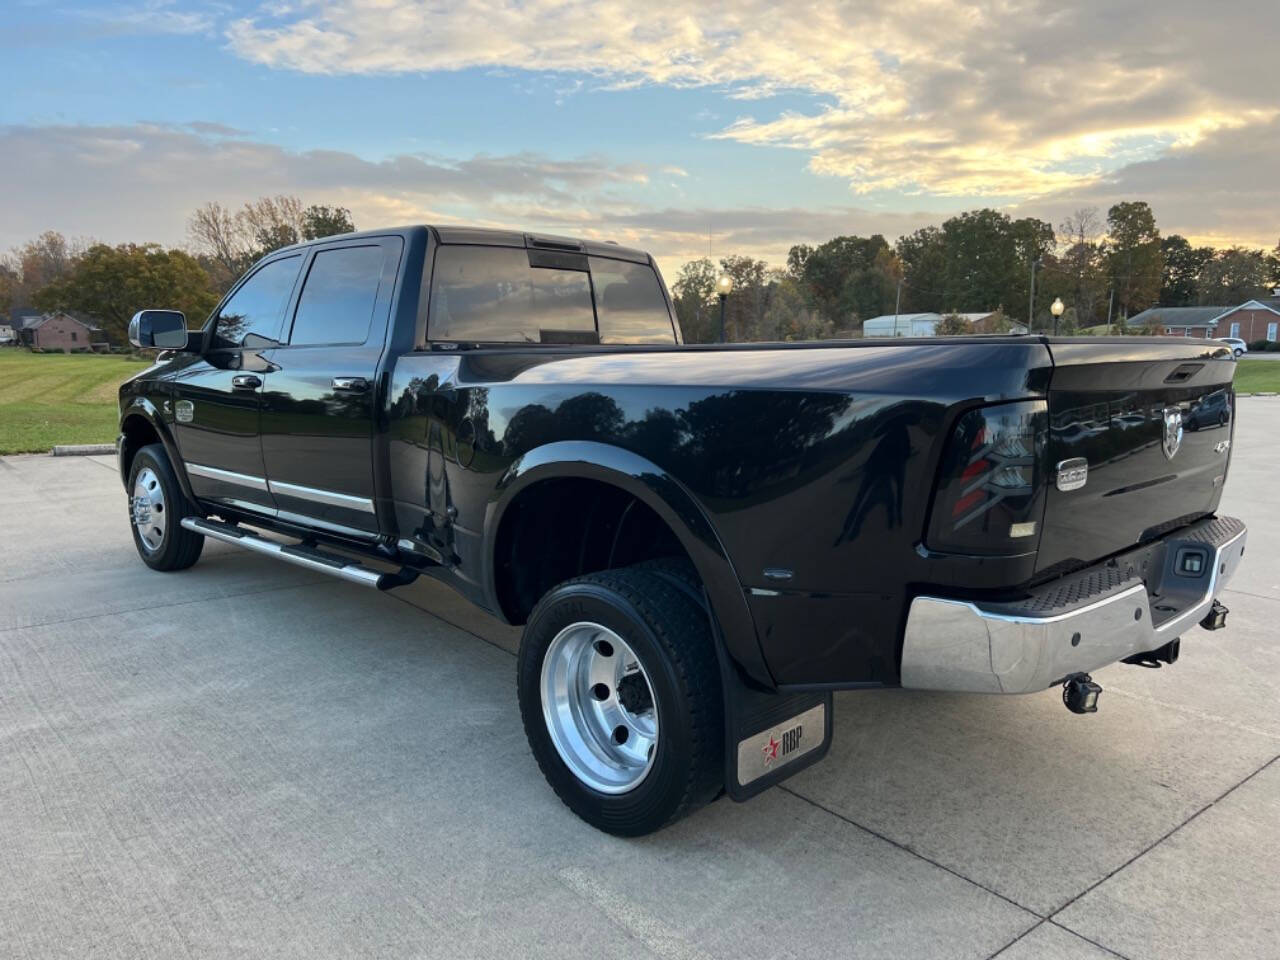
<point x="768" y="736"/>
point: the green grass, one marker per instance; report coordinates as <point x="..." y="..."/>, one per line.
<point x="48" y="399"/>
<point x="1257" y="376"/>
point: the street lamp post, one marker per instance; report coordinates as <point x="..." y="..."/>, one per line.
<point x="1057" y="310"/>
<point x="724" y="287"/>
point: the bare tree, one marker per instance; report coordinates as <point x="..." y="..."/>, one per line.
<point x="274" y="222"/>
<point x="1082" y="262"/>
<point x="222" y="236"/>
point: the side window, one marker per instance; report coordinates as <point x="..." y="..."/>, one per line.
<point x="251" y="318"/>
<point x="629" y="303"/>
<point x="338" y="296"/>
<point x="493" y="295"/>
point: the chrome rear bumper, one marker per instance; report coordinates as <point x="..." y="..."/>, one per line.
<point x="1132" y="604"/>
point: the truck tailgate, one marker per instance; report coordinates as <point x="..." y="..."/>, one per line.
<point x="1154" y="420"/>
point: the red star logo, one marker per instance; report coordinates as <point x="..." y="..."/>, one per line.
<point x="771" y="750"/>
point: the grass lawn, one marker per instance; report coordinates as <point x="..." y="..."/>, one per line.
<point x="1258" y="376"/>
<point x="52" y="398"/>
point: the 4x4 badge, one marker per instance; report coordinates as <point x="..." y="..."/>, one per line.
<point x="1172" y="431"/>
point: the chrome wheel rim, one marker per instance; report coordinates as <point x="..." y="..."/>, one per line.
<point x="148" y="509"/>
<point x="598" y="704"/>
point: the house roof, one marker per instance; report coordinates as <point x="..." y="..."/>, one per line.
<point x="1265" y="303"/>
<point x="35" y="322"/>
<point x="1179" y="316"/>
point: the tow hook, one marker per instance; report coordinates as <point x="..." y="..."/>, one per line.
<point x="1080" y="693"/>
<point x="1154" y="658"/>
<point x="1216" y="618"/>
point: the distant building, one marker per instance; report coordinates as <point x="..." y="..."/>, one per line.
<point x="1179" y="321"/>
<point x="61" y="331"/>
<point x="924" y="324"/>
<point x="1251" y="320"/>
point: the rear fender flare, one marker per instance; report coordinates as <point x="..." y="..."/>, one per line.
<point x="669" y="499"/>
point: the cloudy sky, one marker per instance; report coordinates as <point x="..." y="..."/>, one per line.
<point x="761" y="123"/>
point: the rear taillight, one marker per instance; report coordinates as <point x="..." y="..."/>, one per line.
<point x="990" y="495"/>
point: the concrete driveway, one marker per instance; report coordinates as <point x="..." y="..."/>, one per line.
<point x="248" y="760"/>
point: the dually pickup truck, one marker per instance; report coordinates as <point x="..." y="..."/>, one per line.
<point x="701" y="542"/>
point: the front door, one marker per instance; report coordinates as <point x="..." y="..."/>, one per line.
<point x="318" y="410"/>
<point x="217" y="396"/>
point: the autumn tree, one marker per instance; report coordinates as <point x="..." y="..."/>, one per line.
<point x="110" y="284"/>
<point x="319" y="221"/>
<point x="1180" y="278"/>
<point x="1233" y="276"/>
<point x="694" y="294"/>
<point x="1135" y="264"/>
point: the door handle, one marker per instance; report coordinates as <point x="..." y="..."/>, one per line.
<point x="245" y="381"/>
<point x="351" y="384"/>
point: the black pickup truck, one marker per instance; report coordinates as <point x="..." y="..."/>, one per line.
<point x="701" y="542"/>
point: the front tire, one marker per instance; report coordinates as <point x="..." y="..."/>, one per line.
<point x="620" y="697"/>
<point x="157" y="506"/>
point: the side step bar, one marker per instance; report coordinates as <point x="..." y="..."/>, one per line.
<point x="302" y="556"/>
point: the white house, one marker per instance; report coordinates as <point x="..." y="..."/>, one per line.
<point x="921" y="324"/>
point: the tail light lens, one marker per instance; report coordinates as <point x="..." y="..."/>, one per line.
<point x="990" y="494"/>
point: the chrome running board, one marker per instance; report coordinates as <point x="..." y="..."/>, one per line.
<point x="309" y="557"/>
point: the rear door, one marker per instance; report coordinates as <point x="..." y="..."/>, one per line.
<point x="1154" y="422"/>
<point x="320" y="404"/>
<point x="217" y="397"/>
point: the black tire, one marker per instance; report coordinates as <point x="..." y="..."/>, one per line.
<point x="671" y="637"/>
<point x="177" y="548"/>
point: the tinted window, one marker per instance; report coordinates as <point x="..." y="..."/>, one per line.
<point x="629" y="303"/>
<point x="492" y="294"/>
<point x="336" y="303"/>
<point x="252" y="316"/>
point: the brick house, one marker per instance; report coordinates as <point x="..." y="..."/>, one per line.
<point x="61" y="331"/>
<point x="1254" y="320"/>
<point x="1181" y="321"/>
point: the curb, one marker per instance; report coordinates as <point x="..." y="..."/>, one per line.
<point x="82" y="449"/>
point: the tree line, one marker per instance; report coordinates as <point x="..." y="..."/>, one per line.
<point x="108" y="283"/>
<point x="981" y="261"/>
<point x="1104" y="270"/>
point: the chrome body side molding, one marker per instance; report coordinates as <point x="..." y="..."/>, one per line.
<point x="227" y="476"/>
<point x="316" y="495"/>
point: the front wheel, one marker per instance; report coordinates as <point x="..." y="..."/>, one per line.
<point x="1239" y="354"/>
<point x="156" y="508"/>
<point x="620" y="696"/>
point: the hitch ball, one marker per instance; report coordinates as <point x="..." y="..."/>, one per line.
<point x="1080" y="694"/>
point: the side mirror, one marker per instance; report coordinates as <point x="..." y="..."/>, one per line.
<point x="159" y="329"/>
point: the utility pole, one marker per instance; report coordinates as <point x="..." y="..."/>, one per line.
<point x="896" y="304"/>
<point x="1031" y="301"/>
<point x="1110" y="304"/>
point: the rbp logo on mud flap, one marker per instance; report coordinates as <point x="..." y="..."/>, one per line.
<point x="777" y="749"/>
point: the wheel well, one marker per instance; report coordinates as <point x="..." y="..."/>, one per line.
<point x="563" y="528"/>
<point x="138" y="432"/>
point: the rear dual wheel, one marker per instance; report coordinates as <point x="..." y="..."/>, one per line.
<point x="620" y="696"/>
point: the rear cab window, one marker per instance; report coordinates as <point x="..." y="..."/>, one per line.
<point x="506" y="294"/>
<point x="629" y="302"/>
<point x="338" y="296"/>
